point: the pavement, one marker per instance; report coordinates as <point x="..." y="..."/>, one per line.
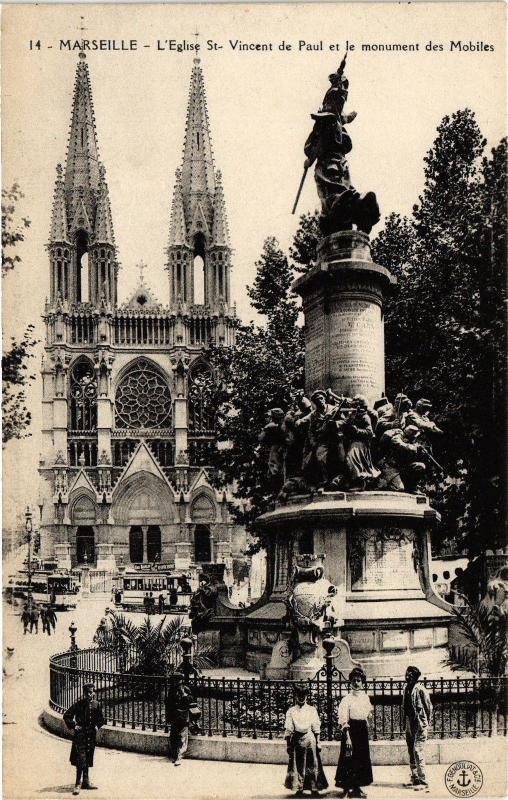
<point x="36" y="763"/>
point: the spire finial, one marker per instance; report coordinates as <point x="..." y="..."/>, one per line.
<point x="82" y="29"/>
<point x="141" y="266"/>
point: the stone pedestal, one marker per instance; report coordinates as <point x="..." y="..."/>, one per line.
<point x="343" y="306"/>
<point x="105" y="557"/>
<point x="63" y="555"/>
<point x="377" y="554"/>
<point x="183" y="555"/>
<point x="85" y="581"/>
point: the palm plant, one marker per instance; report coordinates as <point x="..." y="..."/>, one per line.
<point x="151" y="649"/>
<point x="486" y="635"/>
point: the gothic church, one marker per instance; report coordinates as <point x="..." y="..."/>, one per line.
<point x="127" y="423"/>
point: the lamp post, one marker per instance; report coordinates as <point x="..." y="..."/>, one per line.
<point x="29" y="529"/>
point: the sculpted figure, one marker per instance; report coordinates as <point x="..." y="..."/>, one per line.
<point x="327" y="146"/>
<point x="359" y="434"/>
<point x="319" y="425"/>
<point x="295" y="433"/>
<point x="274" y="438"/>
<point x="419" y="416"/>
<point x="402" y="468"/>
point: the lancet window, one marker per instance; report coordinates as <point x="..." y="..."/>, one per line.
<point x="201" y="396"/>
<point x="83" y="391"/>
<point x="143" y="399"/>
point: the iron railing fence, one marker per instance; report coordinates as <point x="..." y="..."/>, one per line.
<point x="473" y="706"/>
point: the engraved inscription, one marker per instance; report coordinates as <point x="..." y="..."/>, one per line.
<point x="314" y="349"/>
<point x="356" y="348"/>
<point x="387" y="564"/>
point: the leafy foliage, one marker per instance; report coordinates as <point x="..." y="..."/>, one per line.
<point x="263" y="370"/>
<point x="12" y="230"/>
<point x="445" y="323"/>
<point x="487" y="636"/>
<point x="157" y="646"/>
<point x="16" y="416"/>
<point x="15" y="378"/>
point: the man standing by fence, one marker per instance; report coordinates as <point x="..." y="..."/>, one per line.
<point x="84" y="717"/>
<point x="416" y="718"/>
<point x="178" y="703"/>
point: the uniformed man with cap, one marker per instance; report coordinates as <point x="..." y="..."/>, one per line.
<point x="84" y="718"/>
<point x="419" y="416"/>
<point x="178" y="703"/>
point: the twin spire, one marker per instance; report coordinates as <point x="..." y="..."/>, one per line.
<point x="81" y="205"/>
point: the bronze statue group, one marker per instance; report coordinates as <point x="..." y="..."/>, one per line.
<point x="354" y="769"/>
<point x="337" y="443"/>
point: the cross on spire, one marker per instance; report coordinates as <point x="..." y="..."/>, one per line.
<point x="141" y="266"/>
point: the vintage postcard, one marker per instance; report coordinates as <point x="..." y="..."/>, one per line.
<point x="254" y="425"/>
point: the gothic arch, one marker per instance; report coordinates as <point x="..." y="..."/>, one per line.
<point x="82" y="508"/>
<point x="200" y="397"/>
<point x="143" y="396"/>
<point x="143" y="499"/>
<point x="82" y="395"/>
<point x="203" y="509"/>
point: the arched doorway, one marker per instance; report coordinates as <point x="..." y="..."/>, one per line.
<point x="136" y="544"/>
<point x="202" y="543"/>
<point x="85" y="544"/>
<point x="153" y="543"/>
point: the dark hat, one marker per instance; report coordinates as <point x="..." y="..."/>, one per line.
<point x="383" y="401"/>
<point x="412" y="429"/>
<point x="88" y="685"/>
<point x="414" y="671"/>
<point x="301" y="689"/>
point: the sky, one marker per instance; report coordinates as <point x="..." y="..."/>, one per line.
<point x="259" y="102"/>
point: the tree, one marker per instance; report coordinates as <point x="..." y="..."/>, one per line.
<point x="12" y="231"/>
<point x="445" y="322"/>
<point x="15" y="378"/>
<point x="263" y="370"/>
<point x="15" y="414"/>
<point x="486" y="651"/>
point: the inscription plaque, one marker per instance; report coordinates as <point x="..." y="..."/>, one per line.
<point x="362" y="641"/>
<point x="440" y="636"/>
<point x="356" y="345"/>
<point x="395" y="640"/>
<point x="423" y="637"/>
<point x="387" y="564"/>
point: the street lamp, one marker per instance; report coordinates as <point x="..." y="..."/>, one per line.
<point x="28" y="529"/>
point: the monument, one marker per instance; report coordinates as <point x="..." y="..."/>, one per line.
<point x="351" y="515"/>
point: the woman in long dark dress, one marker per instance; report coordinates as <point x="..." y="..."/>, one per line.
<point x="354" y="769"/>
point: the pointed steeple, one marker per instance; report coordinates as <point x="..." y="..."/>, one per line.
<point x="220" y="234"/>
<point x="58" y="230"/>
<point x="103" y="230"/>
<point x="198" y="179"/>
<point x="177" y="228"/>
<point x="82" y="177"/>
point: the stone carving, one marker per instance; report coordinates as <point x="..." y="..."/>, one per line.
<point x="311" y="595"/>
<point x="327" y="146"/>
<point x="339" y="443"/>
<point x="202" y="604"/>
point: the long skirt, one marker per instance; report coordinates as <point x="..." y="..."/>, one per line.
<point x="305" y="770"/>
<point x="355" y="769"/>
<point x="83" y="747"/>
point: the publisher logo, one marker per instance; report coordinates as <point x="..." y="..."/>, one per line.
<point x="463" y="779"/>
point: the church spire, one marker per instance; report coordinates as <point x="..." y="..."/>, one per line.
<point x="85" y="270"/>
<point x="198" y="252"/>
<point x="82" y="176"/>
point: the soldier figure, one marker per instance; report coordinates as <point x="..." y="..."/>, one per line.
<point x="401" y="466"/>
<point x="274" y="437"/>
<point x="419" y="416"/>
<point x="320" y="436"/>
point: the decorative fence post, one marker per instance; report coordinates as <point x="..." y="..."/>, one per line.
<point x="328" y="646"/>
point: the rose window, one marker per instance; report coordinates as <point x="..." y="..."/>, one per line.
<point x="143" y="399"/>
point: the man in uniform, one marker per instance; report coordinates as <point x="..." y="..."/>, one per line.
<point x="178" y="703"/>
<point x="84" y="717"/>
<point x="400" y="460"/>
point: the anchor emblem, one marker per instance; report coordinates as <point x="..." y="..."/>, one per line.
<point x="464" y="782"/>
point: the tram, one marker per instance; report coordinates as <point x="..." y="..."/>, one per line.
<point x="60" y="589"/>
<point x="140" y="591"/>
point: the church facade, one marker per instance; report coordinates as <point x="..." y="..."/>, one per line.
<point x="127" y="417"/>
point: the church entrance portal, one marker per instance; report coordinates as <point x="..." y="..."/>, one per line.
<point x="136" y="544"/>
<point x="85" y="544"/>
<point x="202" y="543"/>
<point x="153" y="543"/>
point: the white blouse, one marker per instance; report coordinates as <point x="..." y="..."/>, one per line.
<point x="299" y="719"/>
<point x="355" y="705"/>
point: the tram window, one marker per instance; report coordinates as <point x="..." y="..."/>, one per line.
<point x="140" y="583"/>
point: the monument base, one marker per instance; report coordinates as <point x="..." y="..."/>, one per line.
<point x="377" y="554"/>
